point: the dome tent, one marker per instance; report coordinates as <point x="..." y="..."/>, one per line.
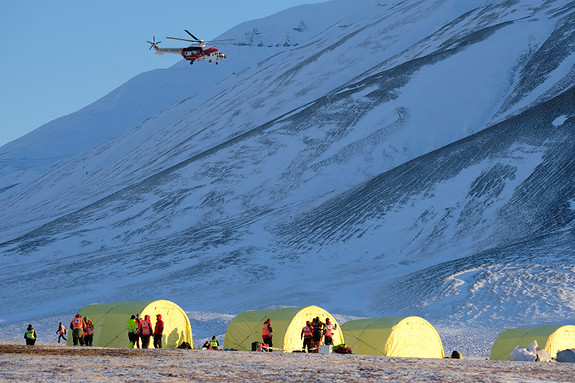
<point x="403" y="337"/>
<point x="110" y="328"/>
<point x="287" y="324"/>
<point x="551" y="338"/>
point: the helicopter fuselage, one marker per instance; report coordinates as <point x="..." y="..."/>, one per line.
<point x="195" y="52"/>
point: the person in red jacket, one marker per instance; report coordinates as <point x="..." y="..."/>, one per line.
<point x="158" y="331"/>
<point x="145" y="329"/>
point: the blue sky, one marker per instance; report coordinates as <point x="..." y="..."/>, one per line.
<point x="59" y="56"/>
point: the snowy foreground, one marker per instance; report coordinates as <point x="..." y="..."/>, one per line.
<point x="52" y="362"/>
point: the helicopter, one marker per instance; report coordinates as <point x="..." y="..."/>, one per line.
<point x="195" y="52"/>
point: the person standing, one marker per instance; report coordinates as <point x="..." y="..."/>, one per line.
<point x="307" y="336"/>
<point x="158" y="331"/>
<point x="146" y="331"/>
<point x="132" y="330"/>
<point x="317" y="329"/>
<point x="139" y="333"/>
<point x="329" y="331"/>
<point x="88" y="331"/>
<point x="77" y="327"/>
<point x="30" y="336"/>
<point x="267" y="333"/>
<point x="61" y="332"/>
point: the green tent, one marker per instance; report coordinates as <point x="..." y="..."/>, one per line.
<point x="551" y="338"/>
<point x="110" y="329"/>
<point x="287" y="324"/>
<point x="404" y="337"/>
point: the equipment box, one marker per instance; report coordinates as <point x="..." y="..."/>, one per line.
<point x="325" y="349"/>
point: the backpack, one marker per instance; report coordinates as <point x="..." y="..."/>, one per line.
<point x="342" y="349"/>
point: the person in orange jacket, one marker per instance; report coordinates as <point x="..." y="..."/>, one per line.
<point x="329" y="331"/>
<point x="307" y="336"/>
<point x="146" y="331"/>
<point x="88" y="331"/>
<point x="77" y="327"/>
<point x="158" y="331"/>
<point x="267" y="334"/>
<point x="61" y="332"/>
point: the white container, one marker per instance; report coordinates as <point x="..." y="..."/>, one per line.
<point x="325" y="349"/>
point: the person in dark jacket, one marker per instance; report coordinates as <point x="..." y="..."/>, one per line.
<point x="317" y="328"/>
<point x="139" y="334"/>
<point x="30" y="336"/>
<point x="158" y="331"/>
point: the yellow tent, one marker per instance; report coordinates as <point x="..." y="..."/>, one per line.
<point x="552" y="338"/>
<point x="110" y="329"/>
<point x="287" y="324"/>
<point x="405" y="337"/>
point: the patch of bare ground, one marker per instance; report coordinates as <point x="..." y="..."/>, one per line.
<point x="48" y="363"/>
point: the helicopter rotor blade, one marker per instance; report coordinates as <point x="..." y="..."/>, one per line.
<point x="188" y="40"/>
<point x="218" y="41"/>
<point x="191" y="35"/>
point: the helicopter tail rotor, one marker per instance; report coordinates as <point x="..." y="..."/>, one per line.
<point x="154" y="43"/>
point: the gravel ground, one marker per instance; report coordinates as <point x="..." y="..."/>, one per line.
<point x="52" y="362"/>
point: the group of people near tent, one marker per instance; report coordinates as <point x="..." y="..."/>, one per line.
<point x="82" y="331"/>
<point x="142" y="329"/>
<point x="314" y="332"/>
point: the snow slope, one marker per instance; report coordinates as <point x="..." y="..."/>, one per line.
<point x="386" y="158"/>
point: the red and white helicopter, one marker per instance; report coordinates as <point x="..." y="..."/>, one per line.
<point x="195" y="52"/>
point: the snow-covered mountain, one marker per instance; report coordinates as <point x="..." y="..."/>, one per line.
<point x="375" y="158"/>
